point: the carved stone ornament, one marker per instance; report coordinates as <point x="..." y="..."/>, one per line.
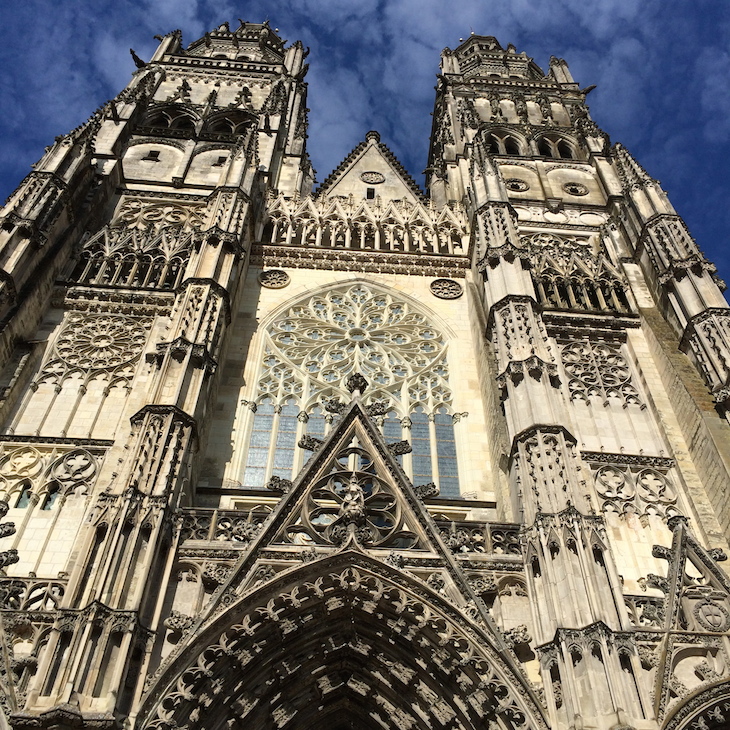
<point x="351" y="504"/>
<point x="372" y="178"/>
<point x="574" y="188"/>
<point x="98" y="342"/>
<point x="516" y="185"/>
<point x="274" y="279"/>
<point x="446" y="289"/>
<point x="143" y="214"/>
<point x="712" y="616"/>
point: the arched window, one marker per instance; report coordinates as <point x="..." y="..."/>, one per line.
<point x="502" y="143"/>
<point x="309" y="353"/>
<point x="230" y="122"/>
<point x="24" y="497"/>
<point x="52" y="495"/>
<point x="170" y="117"/>
<point x="557" y="147"/>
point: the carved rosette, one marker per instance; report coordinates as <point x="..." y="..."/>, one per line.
<point x="100" y="342"/>
<point x="446" y="289"/>
<point x="274" y="279"/>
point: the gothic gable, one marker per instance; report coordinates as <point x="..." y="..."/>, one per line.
<point x="371" y="166"/>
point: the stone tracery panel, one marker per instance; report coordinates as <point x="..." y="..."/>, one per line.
<point x="638" y="489"/>
<point x="598" y="369"/>
<point x="84" y="382"/>
<point x="312" y="349"/>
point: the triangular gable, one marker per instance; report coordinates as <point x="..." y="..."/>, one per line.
<point x="333" y="512"/>
<point x="697" y="614"/>
<point x="371" y="165"/>
<point x="372" y="509"/>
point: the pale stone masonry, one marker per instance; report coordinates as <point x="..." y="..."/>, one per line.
<point x="357" y="455"/>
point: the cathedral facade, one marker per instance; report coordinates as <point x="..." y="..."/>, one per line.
<point x="360" y="456"/>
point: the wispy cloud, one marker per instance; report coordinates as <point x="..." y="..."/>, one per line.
<point x="661" y="71"/>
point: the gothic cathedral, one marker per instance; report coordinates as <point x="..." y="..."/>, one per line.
<point x="357" y="457"/>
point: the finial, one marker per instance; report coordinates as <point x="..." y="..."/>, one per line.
<point x="356" y="384"/>
<point x="372" y="134"/>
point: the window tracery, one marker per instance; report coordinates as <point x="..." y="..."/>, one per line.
<point x="312" y="349"/>
<point x="117" y="256"/>
<point x="596" y="368"/>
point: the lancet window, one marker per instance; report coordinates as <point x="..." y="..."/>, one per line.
<point x="117" y="256"/>
<point x="551" y="146"/>
<point x="308" y="354"/>
<point x="503" y="144"/>
<point x="170" y="117"/>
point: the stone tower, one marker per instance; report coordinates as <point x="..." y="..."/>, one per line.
<point x="359" y="457"/>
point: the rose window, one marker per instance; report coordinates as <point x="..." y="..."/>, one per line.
<point x="312" y="349"/>
<point x="100" y="342"/>
<point x="340" y="333"/>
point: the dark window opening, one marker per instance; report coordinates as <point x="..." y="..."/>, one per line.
<point x="152" y="156"/>
<point x="370" y="193"/>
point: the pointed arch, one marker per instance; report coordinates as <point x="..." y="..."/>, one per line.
<point x="311" y="345"/>
<point x="345" y="630"/>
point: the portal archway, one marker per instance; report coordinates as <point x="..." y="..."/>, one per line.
<point x="344" y="637"/>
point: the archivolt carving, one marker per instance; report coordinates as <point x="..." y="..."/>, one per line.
<point x="306" y="647"/>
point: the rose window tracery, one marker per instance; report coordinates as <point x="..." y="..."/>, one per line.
<point x="357" y="330"/>
<point x="100" y="342"/>
<point x="311" y="351"/>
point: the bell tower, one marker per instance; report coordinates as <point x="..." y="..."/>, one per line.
<point x="146" y="213"/>
<point x="585" y="267"/>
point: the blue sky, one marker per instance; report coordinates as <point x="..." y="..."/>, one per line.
<point x="662" y="68"/>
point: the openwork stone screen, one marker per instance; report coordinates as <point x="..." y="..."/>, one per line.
<point x="312" y="349"/>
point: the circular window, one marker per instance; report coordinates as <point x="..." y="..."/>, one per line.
<point x="446" y="289"/>
<point x="274" y="279"/>
<point x="574" y="188"/>
<point x="372" y="178"/>
<point x="516" y="186"/>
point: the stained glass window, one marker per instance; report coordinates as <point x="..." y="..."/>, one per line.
<point x="312" y="349"/>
